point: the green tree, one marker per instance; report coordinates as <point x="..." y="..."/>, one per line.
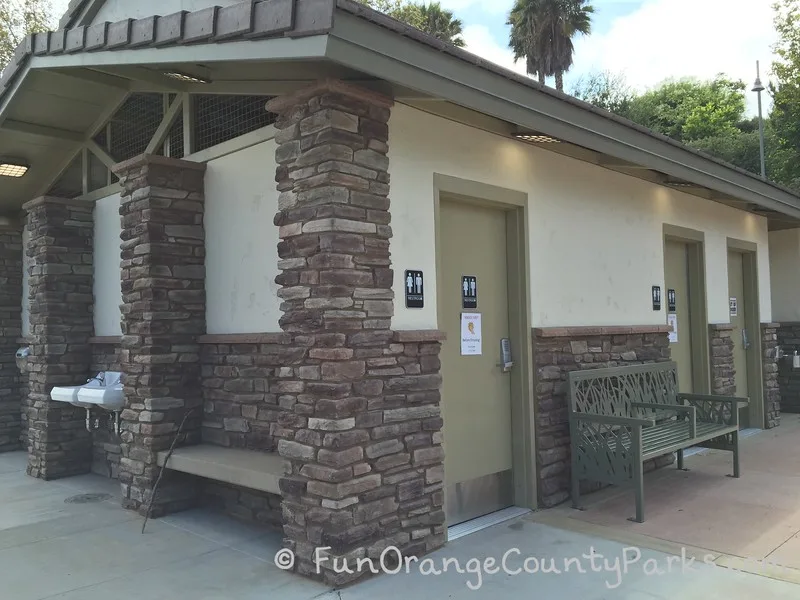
<point x="605" y="90"/>
<point x="430" y="18"/>
<point x="785" y="118"/>
<point x="689" y="110"/>
<point x="542" y="33"/>
<point x="19" y="18"/>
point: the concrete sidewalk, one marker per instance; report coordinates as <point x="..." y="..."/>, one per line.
<point x="88" y="548"/>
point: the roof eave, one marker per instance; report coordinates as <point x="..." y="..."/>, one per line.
<point x="392" y="51"/>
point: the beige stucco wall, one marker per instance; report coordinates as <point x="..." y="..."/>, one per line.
<point x="784" y="261"/>
<point x="107" y="282"/>
<point x="241" y="242"/>
<point x="596" y="236"/>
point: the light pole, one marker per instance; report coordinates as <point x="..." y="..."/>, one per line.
<point x="759" y="87"/>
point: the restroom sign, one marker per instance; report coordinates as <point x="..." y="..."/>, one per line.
<point x="672" y="300"/>
<point x="415" y="289"/>
<point x="733" y="303"/>
<point x="656" y="292"/>
<point x="469" y="292"/>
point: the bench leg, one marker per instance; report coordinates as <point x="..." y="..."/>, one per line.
<point x="576" y="489"/>
<point x="680" y="460"/>
<point x="638" y="482"/>
<point x="735" y="436"/>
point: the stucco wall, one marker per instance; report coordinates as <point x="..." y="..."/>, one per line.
<point x="107" y="282"/>
<point x="26" y="303"/>
<point x="784" y="264"/>
<point x="241" y="242"/>
<point x="596" y="236"/>
<point x="116" y="10"/>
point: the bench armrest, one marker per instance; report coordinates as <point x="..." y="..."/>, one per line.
<point x="710" y="398"/>
<point x="712" y="408"/>
<point x="690" y="410"/>
<point x="609" y="420"/>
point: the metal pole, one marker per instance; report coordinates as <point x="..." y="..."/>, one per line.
<point x="759" y="88"/>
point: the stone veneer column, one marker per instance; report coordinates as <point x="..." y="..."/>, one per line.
<point x="772" y="392"/>
<point x="363" y="439"/>
<point x="788" y="376"/>
<point x="723" y="372"/>
<point x="163" y="314"/>
<point x="10" y="331"/>
<point x="559" y="350"/>
<point x="61" y="253"/>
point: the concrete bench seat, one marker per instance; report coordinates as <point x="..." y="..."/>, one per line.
<point x="246" y="468"/>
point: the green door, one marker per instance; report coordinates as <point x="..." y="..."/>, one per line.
<point x="741" y="336"/>
<point x="476" y="391"/>
<point x="676" y="271"/>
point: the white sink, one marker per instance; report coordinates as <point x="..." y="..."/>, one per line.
<point x="104" y="391"/>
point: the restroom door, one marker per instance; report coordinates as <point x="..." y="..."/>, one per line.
<point x="476" y="391"/>
<point x="742" y="341"/>
<point x="676" y="273"/>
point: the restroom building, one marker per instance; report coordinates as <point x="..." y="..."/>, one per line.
<point x="350" y="267"/>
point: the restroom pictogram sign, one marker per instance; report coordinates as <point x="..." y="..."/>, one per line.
<point x="469" y="292"/>
<point x="415" y="289"/>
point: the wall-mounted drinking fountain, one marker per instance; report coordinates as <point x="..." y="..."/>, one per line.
<point x="103" y="391"/>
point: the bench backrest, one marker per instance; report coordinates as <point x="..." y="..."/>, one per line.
<point x="609" y="392"/>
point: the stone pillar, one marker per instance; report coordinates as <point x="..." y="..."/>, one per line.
<point x="772" y="392"/>
<point x="163" y="314"/>
<point x="363" y="439"/>
<point x="788" y="376"/>
<point x="61" y="253"/>
<point x="10" y="331"/>
<point x="723" y="373"/>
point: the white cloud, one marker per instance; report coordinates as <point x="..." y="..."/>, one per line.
<point x="480" y="41"/>
<point x="491" y="7"/>
<point x="676" y="38"/>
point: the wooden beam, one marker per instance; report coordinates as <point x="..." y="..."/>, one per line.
<point x="53" y="133"/>
<point x="152" y="80"/>
<point x="100" y="153"/>
<point x="166" y="124"/>
<point x="94" y="77"/>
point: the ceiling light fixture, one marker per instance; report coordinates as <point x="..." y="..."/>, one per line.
<point x="185" y="77"/>
<point x="13" y="167"/>
<point x="684" y="184"/>
<point x="537" y="138"/>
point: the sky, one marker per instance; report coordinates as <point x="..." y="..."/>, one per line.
<point x="647" y="41"/>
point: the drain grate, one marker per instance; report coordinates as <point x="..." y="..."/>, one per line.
<point x="87" y="498"/>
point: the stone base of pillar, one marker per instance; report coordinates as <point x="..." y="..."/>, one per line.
<point x="61" y="292"/>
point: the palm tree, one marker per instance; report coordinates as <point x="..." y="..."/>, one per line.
<point x="542" y="32"/>
<point x="432" y="19"/>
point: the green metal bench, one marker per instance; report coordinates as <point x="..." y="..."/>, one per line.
<point x="623" y="416"/>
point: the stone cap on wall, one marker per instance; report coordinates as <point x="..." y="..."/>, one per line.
<point x="551" y="332"/>
<point x="720" y="326"/>
<point x="420" y="335"/>
<point x="55" y="200"/>
<point x="245" y="338"/>
<point x="773" y="325"/>
<point x="155" y="159"/>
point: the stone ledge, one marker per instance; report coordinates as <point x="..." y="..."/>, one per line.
<point x="419" y="335"/>
<point x="247" y="468"/>
<point x="720" y="326"/>
<point x="553" y="332"/>
<point x="245" y="338"/>
<point x="106" y="339"/>
<point x="770" y="325"/>
<point x="55" y="200"/>
<point x="154" y="159"/>
<point x="282" y="103"/>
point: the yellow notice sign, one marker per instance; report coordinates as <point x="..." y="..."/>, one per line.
<point x="471" y="343"/>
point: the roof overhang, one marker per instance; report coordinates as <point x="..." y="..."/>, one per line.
<point x="377" y="51"/>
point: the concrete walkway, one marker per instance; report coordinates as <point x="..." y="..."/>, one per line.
<point x="56" y="542"/>
<point x="756" y="517"/>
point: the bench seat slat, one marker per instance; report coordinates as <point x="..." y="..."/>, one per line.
<point x="246" y="468"/>
<point x="672" y="436"/>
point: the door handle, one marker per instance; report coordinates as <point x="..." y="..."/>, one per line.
<point x="745" y="341"/>
<point x="506" y="361"/>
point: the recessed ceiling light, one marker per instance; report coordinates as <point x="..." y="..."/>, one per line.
<point x="12" y="167"/>
<point x="185" y="77"/>
<point x="537" y="138"/>
<point x="680" y="184"/>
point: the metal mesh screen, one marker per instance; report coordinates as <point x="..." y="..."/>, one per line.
<point x="221" y="118"/>
<point x="70" y="184"/>
<point x="175" y="139"/>
<point x="133" y="126"/>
